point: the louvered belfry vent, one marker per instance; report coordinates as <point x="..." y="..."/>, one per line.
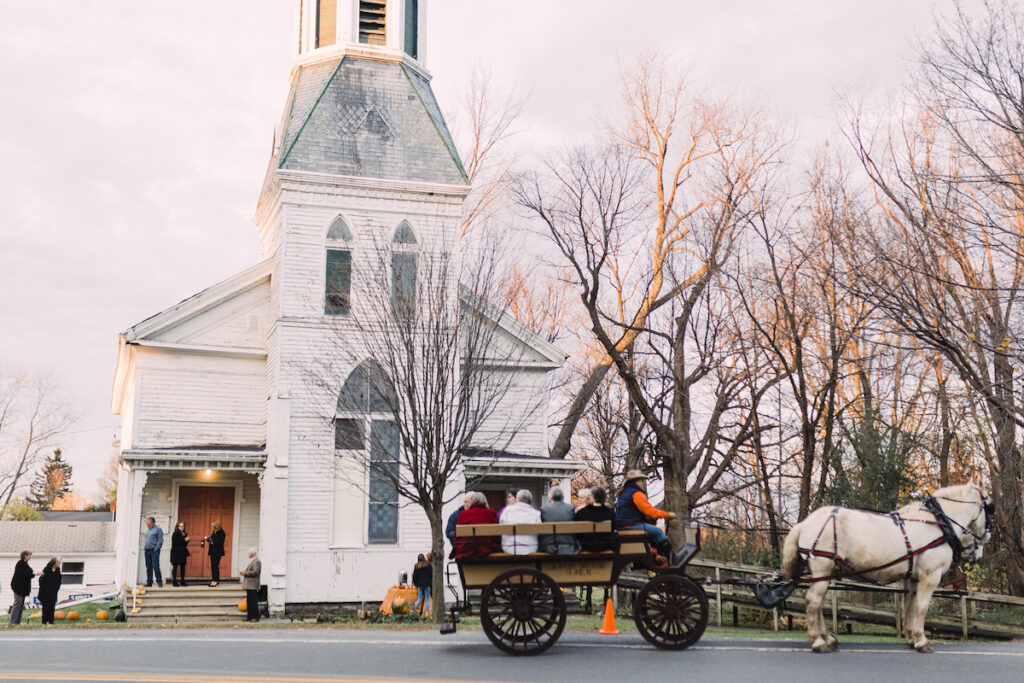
<point x="372" y="21"/>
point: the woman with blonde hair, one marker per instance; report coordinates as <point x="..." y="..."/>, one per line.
<point x="215" y="551"/>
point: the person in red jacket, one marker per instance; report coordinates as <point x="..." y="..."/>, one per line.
<point x="476" y="512"/>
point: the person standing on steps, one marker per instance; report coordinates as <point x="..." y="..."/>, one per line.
<point x="21" y="585"/>
<point x="216" y="551"/>
<point x="49" y="586"/>
<point x="179" y="554"/>
<point x="154" y="542"/>
<point x="251" y="585"/>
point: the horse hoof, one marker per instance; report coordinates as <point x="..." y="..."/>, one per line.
<point x="925" y="648"/>
<point x="820" y="646"/>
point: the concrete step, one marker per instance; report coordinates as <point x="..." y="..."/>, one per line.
<point x="141" y="618"/>
<point x="192" y="597"/>
<point x="189" y="609"/>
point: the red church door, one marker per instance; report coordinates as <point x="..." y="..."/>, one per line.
<point x="199" y="507"/>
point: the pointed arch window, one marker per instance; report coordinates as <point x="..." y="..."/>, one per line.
<point x="403" y="270"/>
<point x="338" y="269"/>
<point x="365" y="406"/>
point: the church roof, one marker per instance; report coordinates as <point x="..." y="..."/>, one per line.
<point x="366" y="118"/>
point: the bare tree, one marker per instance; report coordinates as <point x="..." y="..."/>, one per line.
<point x="484" y="123"/>
<point x="948" y="265"/>
<point x="32" y="417"/>
<point x="433" y="371"/>
<point x="668" y="145"/>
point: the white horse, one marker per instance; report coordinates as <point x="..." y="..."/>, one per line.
<point x="908" y="544"/>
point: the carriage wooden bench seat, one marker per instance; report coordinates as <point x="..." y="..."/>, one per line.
<point x="522" y="607"/>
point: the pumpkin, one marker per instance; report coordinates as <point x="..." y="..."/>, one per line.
<point x="400" y="606"/>
<point x="243" y="606"/>
<point x="72" y="615"/>
<point x="59" y="614"/>
<point x="102" y="614"/>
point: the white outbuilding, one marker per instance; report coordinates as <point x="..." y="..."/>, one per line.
<point x="86" y="550"/>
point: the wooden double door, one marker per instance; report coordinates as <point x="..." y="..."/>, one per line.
<point x="199" y="507"/>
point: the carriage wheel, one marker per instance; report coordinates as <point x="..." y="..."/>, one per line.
<point x="671" y="612"/>
<point x="522" y="611"/>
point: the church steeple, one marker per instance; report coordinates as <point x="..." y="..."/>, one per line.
<point x="378" y="29"/>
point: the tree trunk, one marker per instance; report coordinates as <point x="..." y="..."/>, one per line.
<point x="1006" y="492"/>
<point x="438" y="559"/>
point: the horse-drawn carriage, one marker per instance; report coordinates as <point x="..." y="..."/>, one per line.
<point x="522" y="605"/>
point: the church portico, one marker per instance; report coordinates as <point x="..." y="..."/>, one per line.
<point x="197" y="497"/>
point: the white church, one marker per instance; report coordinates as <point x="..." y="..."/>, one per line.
<point x="217" y="422"/>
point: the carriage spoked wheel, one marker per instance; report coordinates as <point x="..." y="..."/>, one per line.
<point x="522" y="611"/>
<point x="671" y="612"/>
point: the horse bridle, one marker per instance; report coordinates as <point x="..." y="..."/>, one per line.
<point x="946" y="524"/>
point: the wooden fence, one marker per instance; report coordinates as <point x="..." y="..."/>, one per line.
<point x="964" y="613"/>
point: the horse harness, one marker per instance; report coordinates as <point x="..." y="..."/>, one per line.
<point x="842" y="568"/>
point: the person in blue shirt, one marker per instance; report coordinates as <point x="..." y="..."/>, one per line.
<point x="151" y="548"/>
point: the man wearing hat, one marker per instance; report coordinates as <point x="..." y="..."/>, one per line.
<point x="634" y="511"/>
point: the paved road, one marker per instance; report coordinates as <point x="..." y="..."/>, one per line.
<point x="263" y="655"/>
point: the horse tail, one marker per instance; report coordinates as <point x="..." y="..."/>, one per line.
<point x="792" y="563"/>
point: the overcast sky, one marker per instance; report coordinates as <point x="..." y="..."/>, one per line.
<point x="135" y="133"/>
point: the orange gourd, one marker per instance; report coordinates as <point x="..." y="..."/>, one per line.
<point x="102" y="614"/>
<point x="242" y="606"/>
<point x="72" y="615"/>
<point x="59" y="614"/>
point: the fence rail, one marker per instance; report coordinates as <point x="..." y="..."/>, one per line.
<point x="877" y="605"/>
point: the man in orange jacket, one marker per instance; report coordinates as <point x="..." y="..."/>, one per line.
<point x="634" y="511"/>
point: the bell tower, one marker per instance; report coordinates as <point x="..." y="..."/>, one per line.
<point x="364" y="186"/>
<point x="378" y="29"/>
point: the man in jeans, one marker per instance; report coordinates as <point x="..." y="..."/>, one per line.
<point x="151" y="548"/>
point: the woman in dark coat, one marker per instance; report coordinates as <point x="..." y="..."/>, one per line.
<point x="179" y="553"/>
<point x="49" y="586"/>
<point x="423" y="579"/>
<point x="216" y="551"/>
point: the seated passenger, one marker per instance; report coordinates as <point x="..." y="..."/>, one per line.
<point x="633" y="511"/>
<point x="520" y="512"/>
<point x="557" y="510"/>
<point x="476" y="512"/>
<point x="596" y="511"/>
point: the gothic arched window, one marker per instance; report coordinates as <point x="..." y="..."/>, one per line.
<point x="366" y="406"/>
<point x="338" y="269"/>
<point x="403" y="270"/>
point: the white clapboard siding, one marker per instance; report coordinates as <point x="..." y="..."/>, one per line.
<point x="199" y="400"/>
<point x="236" y="322"/>
<point x="518" y="422"/>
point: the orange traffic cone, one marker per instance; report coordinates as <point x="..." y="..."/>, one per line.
<point x="608" y="628"/>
